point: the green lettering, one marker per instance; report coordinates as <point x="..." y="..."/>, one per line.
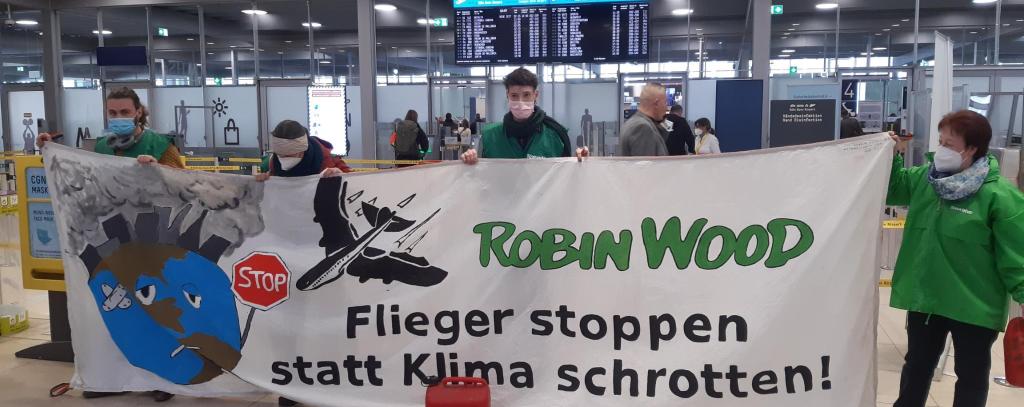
<point x="550" y="247"/>
<point x="682" y="250"/>
<point x="587" y="251"/>
<point x="779" y="255"/>
<point x="489" y="244"/>
<point x="516" y="250"/>
<point x="607" y="247"/>
<point x="759" y="235"/>
<point x="702" y="258"/>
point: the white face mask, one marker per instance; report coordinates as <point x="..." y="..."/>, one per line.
<point x="948" y="160"/>
<point x="288" y="163"/>
<point x="520" y="110"/>
<point x="698" y="132"/>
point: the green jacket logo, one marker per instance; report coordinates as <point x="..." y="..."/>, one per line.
<point x="774" y="244"/>
<point x="962" y="210"/>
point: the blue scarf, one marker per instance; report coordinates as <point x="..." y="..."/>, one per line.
<point x="954" y="187"/>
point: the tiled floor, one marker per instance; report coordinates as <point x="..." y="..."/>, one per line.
<point x="26" y="383"/>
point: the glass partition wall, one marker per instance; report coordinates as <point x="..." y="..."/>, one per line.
<point x="198" y="51"/>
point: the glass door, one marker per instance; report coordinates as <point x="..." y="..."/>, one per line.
<point x="25" y="116"/>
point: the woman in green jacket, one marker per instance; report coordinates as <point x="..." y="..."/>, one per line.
<point x="962" y="258"/>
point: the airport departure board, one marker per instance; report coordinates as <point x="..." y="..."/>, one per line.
<point x="532" y="31"/>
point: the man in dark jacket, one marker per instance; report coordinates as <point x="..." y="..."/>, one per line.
<point x="680" y="140"/>
<point x="294" y="153"/>
<point x="849" y="126"/>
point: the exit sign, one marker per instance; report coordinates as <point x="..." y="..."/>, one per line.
<point x="440" y="22"/>
<point x="792" y="70"/>
<point x="776" y="9"/>
<point x="162" y="32"/>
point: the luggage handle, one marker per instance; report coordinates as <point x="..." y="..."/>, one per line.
<point x="463" y="381"/>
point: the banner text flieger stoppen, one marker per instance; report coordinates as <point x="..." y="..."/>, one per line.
<point x="558" y="248"/>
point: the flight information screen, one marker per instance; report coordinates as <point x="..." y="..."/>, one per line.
<point x="531" y="31"/>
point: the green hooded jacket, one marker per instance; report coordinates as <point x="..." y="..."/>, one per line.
<point x="960" y="259"/>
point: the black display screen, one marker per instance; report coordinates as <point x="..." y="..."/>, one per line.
<point x="502" y="35"/>
<point x="571" y="33"/>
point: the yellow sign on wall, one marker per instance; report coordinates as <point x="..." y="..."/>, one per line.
<point x="41" y="265"/>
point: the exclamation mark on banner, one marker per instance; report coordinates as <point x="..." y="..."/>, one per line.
<point x="825" y="383"/>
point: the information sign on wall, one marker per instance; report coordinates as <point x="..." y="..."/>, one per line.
<point x="327" y="116"/>
<point x="850" y="94"/>
<point x="796" y="122"/>
<point x="43" y="228"/>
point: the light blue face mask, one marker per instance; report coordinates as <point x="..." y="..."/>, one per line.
<point x="122" y="126"/>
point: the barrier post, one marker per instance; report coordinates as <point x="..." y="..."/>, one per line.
<point x="41" y="264"/>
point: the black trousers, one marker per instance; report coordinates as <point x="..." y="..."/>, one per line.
<point x="927" y="340"/>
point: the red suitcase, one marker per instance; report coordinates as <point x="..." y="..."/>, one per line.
<point x="459" y="392"/>
<point x="1013" y="352"/>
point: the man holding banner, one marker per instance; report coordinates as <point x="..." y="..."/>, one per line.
<point x="962" y="254"/>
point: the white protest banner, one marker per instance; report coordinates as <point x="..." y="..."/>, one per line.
<point x="737" y="280"/>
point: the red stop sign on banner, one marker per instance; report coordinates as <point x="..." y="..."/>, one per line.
<point x="260" y="280"/>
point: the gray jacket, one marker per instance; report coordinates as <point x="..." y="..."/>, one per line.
<point x="640" y="137"/>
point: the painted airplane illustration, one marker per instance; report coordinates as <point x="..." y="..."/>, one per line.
<point x="348" y="254"/>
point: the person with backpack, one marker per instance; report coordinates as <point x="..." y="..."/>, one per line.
<point x="410" y="140"/>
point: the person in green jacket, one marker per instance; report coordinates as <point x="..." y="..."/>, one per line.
<point x="962" y="257"/>
<point x="128" y="136"/>
<point x="526" y="131"/>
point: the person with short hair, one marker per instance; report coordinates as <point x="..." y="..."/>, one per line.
<point x="961" y="261"/>
<point x="640" y="135"/>
<point x="849" y="126"/>
<point x="680" y="139"/>
<point x="526" y="131"/>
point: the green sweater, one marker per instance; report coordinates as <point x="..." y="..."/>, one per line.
<point x="959" y="260"/>
<point x="547" y="144"/>
<point x="150" y="144"/>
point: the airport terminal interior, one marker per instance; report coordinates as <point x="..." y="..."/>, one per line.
<point x="217" y="76"/>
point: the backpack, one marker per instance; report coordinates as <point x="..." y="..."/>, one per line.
<point x="405" y="140"/>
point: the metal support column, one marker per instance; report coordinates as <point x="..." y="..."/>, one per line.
<point x="256" y="45"/>
<point x="149" y="46"/>
<point x="762" y="58"/>
<point x="313" y="64"/>
<point x="234" y="67"/>
<point x="53" y="71"/>
<point x="368" y="76"/>
<point x="917" y="28"/>
<point x="835" y="66"/>
<point x="999" y="16"/>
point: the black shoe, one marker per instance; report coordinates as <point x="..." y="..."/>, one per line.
<point x="281" y="401"/>
<point x="161" y="396"/>
<point x="99" y="394"/>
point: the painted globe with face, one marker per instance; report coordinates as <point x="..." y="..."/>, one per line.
<point x="169" y="310"/>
